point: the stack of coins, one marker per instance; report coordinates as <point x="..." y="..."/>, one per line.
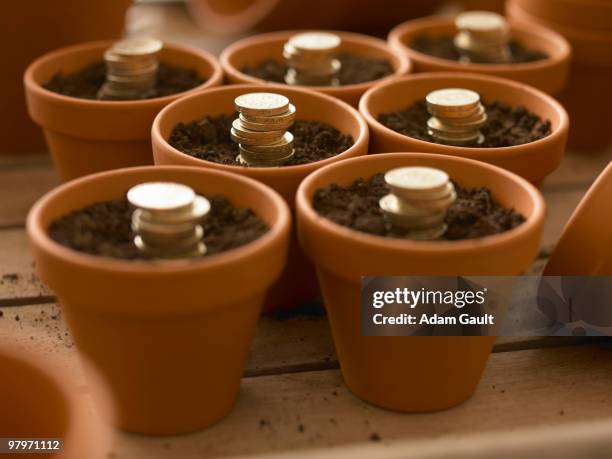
<point x="166" y="220"/>
<point x="419" y="199"/>
<point x="457" y="116"/>
<point x="482" y="37"/>
<point x="311" y="58"/>
<point x="131" y="69"/>
<point x="261" y="129"/>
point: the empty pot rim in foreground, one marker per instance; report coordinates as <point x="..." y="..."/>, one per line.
<point x="397" y="35"/>
<point x="325" y="176"/>
<point x="85" y="429"/>
<point x="38" y="232"/>
<point x="360" y="142"/>
<point x="33" y="84"/>
<point x="505" y="85"/>
<point x="227" y="58"/>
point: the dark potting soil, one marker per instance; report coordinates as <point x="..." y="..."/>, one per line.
<point x="104" y="229"/>
<point x="209" y="139"/>
<point x="474" y="214"/>
<point x="355" y="69"/>
<point x="506" y="126"/>
<point x="85" y="83"/>
<point x="443" y="47"/>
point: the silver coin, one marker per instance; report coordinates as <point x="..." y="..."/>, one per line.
<point x="485" y="22"/>
<point x="261" y="103"/>
<point x="137" y="46"/>
<point x="315" y="42"/>
<point x="161" y="196"/>
<point x="417" y="179"/>
<point x="452" y="99"/>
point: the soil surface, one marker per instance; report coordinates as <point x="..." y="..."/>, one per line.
<point x="506" y="126"/>
<point x="209" y="139"/>
<point x="104" y="228"/>
<point x="355" y="69"/>
<point x="85" y="83"/>
<point x="474" y="214"/>
<point x="444" y="48"/>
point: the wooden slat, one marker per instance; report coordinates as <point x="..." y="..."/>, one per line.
<point x="560" y="205"/>
<point x="296" y="344"/>
<point x="304" y="411"/>
<point x="578" y="169"/>
<point x="20" y="188"/>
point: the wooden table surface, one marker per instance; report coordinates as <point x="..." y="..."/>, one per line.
<point x="539" y="397"/>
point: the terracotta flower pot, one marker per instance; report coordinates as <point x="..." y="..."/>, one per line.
<point x="298" y="282"/>
<point x="87" y="136"/>
<point x="38" y="401"/>
<point x="251" y="50"/>
<point x="587" y="93"/>
<point x="548" y="75"/>
<point x="171" y="338"/>
<point x="533" y="161"/>
<point x="585" y="246"/>
<point x="27" y="31"/>
<point x="412" y="373"/>
<point x="231" y="17"/>
<point x="589" y="14"/>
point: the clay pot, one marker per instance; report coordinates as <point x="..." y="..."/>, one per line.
<point x="252" y="50"/>
<point x="548" y="75"/>
<point x="27" y="31"/>
<point x="231" y="17"/>
<point x="585" y="246"/>
<point x="412" y="373"/>
<point x="533" y="161"/>
<point x="87" y="136"/>
<point x="171" y="338"/>
<point x="587" y="93"/>
<point x="38" y="401"/>
<point x="298" y="282"/>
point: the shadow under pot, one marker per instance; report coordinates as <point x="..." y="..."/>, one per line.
<point x="40" y="402"/>
<point x="525" y="131"/>
<point x="86" y="135"/>
<point x="586" y="26"/>
<point x="411" y="373"/>
<point x="193" y="130"/>
<point x="365" y="61"/>
<point x="171" y="337"/>
<point x="540" y="57"/>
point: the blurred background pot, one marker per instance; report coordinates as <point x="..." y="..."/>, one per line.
<point x="533" y="161"/>
<point x="30" y="29"/>
<point x="87" y="136"/>
<point x="548" y="75"/>
<point x="171" y="338"/>
<point x="252" y="50"/>
<point x="587" y="26"/>
<point x="231" y="17"/>
<point x="412" y="373"/>
<point x="38" y="401"/>
<point x="298" y="282"/>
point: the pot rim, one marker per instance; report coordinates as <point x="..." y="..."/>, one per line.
<point x="562" y="53"/>
<point x="83" y="426"/>
<point x="39" y="235"/>
<point x="306" y="211"/>
<point x="405" y="64"/>
<point x="488" y="152"/>
<point x="257" y="172"/>
<point x="30" y="83"/>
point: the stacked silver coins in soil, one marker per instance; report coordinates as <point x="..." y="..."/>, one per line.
<point x="131" y="69"/>
<point x="312" y="59"/>
<point x="482" y="37"/>
<point x="261" y="129"/>
<point x="457" y="116"/>
<point x="167" y="219"/>
<point x="419" y="199"/>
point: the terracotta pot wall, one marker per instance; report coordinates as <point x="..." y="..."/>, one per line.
<point x="28" y="30"/>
